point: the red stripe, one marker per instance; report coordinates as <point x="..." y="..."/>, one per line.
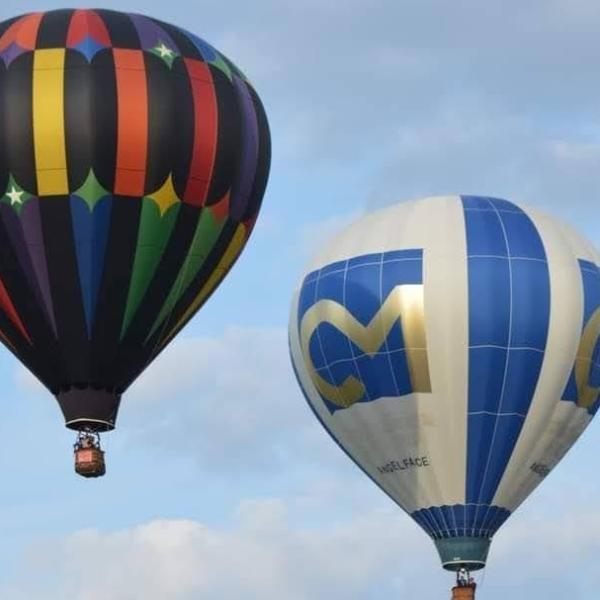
<point x="205" y="132"/>
<point x="87" y="23"/>
<point x="23" y="32"/>
<point x="9" y="308"/>
<point x="132" y="144"/>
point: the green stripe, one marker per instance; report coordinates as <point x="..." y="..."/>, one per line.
<point x="153" y="236"/>
<point x="207" y="233"/>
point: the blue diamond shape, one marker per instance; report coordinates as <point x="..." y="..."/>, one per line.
<point x="89" y="47"/>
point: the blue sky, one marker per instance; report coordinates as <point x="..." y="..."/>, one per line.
<point x="220" y="483"/>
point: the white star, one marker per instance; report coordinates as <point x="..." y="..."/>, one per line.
<point x="15" y="196"/>
<point x="164" y="51"/>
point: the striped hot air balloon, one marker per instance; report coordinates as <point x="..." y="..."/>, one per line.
<point x="450" y="347"/>
<point x="133" y="161"/>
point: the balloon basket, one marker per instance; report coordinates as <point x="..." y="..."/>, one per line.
<point x="463" y="593"/>
<point x="89" y="457"/>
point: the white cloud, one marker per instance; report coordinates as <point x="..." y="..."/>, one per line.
<point x="263" y="557"/>
<point x="264" y="554"/>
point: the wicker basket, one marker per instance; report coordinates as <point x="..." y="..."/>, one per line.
<point x="89" y="462"/>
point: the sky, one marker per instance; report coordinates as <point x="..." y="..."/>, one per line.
<point x="221" y="484"/>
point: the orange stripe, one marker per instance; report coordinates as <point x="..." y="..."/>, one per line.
<point x="132" y="144"/>
<point x="205" y="132"/>
<point x="9" y="308"/>
<point x="22" y="32"/>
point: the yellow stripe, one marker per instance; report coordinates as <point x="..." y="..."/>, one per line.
<point x="49" y="122"/>
<point x="232" y="252"/>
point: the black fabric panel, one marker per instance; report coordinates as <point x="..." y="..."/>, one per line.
<point x="17" y="290"/>
<point x="228" y="137"/>
<point x="132" y="350"/>
<point x="186" y="47"/>
<point x="22" y="350"/>
<point x="264" y="159"/>
<point x="183" y="129"/>
<point x="63" y="274"/>
<point x="114" y="288"/>
<point x="161" y="122"/>
<point x="79" y="117"/>
<point x="26" y="299"/>
<point x="18" y="122"/>
<point x="133" y="369"/>
<point x="104" y="125"/>
<point x="54" y="29"/>
<point x="122" y="31"/>
<point x="3" y="142"/>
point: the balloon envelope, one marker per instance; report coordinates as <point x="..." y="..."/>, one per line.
<point x="133" y="161"/>
<point x="450" y="347"/>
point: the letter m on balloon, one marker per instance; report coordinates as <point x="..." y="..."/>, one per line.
<point x="361" y="326"/>
<point x="583" y="387"/>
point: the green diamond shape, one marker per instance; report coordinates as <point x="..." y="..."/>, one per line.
<point x="165" y="53"/>
<point x="15" y="196"/>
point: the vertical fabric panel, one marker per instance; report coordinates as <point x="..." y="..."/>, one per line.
<point x="34" y="239"/>
<point x="509" y="314"/>
<point x="162" y="138"/>
<point x="104" y="127"/>
<point x="132" y="139"/>
<point x="17" y="129"/>
<point x="65" y="288"/>
<point x="264" y="160"/>
<point x="49" y="122"/>
<point x="205" y="132"/>
<point x="90" y="231"/>
<point x="153" y="236"/>
<point x="225" y="263"/>
<point x="79" y="118"/>
<point x="229" y="127"/>
<point x="243" y="182"/>
<point x="4" y="174"/>
<point x="112" y="294"/>
<point x="120" y="29"/>
<point x="54" y="28"/>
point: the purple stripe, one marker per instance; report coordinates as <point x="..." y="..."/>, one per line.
<point x="150" y="34"/>
<point x="34" y="240"/>
<point x="244" y="181"/>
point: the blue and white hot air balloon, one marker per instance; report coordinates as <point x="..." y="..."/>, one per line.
<point x="450" y="347"/>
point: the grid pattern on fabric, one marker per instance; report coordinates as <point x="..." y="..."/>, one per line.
<point x="509" y="314"/>
<point x="461" y="520"/>
<point x="359" y="288"/>
<point x="583" y="387"/>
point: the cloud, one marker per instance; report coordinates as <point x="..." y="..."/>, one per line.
<point x="465" y="148"/>
<point x="418" y="98"/>
<point x="265" y="554"/>
<point x="262" y="556"/>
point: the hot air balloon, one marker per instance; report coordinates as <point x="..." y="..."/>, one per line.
<point x="450" y="347"/>
<point x="133" y="161"/>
